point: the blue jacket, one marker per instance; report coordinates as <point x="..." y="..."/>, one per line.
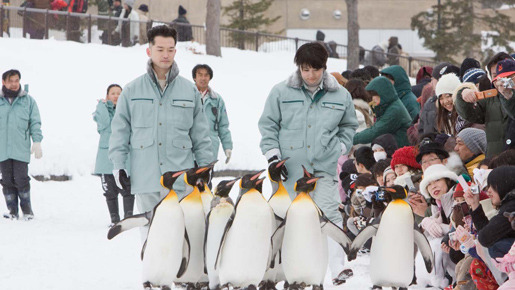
<point x="309" y="130"/>
<point x="162" y="130"/>
<point x="218" y="124"/>
<point x="19" y="122"/>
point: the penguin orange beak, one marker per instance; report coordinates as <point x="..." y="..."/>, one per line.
<point x="230" y="183"/>
<point x="312" y="180"/>
<point x="260" y="180"/>
<point x="279" y="164"/>
<point x="178" y="173"/>
<point x="306" y="173"/>
<point x="202" y="169"/>
<point x="257" y="175"/>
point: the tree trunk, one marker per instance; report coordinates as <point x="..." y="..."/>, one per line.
<point x="213" y="28"/>
<point x="352" y="35"/>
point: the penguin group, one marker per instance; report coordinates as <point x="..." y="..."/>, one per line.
<point x="205" y="241"/>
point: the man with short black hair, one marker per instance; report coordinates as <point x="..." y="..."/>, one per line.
<point x="364" y="159"/>
<point x="20" y="122"/>
<point x="159" y="123"/>
<point x="310" y="119"/>
<point x="214" y="109"/>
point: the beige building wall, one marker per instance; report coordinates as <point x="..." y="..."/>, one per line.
<point x="373" y="14"/>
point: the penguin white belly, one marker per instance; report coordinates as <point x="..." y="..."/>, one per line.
<point x="163" y="251"/>
<point x="247" y="244"/>
<point x="206" y="197"/>
<point x="217" y="221"/>
<point x="280" y="205"/>
<point x="195" y="227"/>
<point x="304" y="248"/>
<point x="392" y="256"/>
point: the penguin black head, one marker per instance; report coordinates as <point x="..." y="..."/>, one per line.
<point x="251" y="181"/>
<point x="395" y="192"/>
<point x="224" y="187"/>
<point x="205" y="176"/>
<point x="169" y="178"/>
<point x="196" y="175"/>
<point x="274" y="170"/>
<point x="307" y="183"/>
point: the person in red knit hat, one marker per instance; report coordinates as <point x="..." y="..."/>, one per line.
<point x="405" y="165"/>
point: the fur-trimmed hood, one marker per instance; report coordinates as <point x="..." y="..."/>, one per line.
<point x="330" y="84"/>
<point x="461" y="87"/>
<point x="361" y="104"/>
<point x="172" y="74"/>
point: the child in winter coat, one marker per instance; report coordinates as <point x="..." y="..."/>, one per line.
<point x="406" y="166"/>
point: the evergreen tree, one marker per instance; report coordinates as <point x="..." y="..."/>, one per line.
<point x="248" y="15"/>
<point x="454" y="28"/>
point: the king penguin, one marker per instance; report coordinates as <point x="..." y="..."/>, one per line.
<point x="245" y="252"/>
<point x="205" y="192"/>
<point x="280" y="201"/>
<point x="394" y="235"/>
<point x="163" y="261"/>
<point x="194" y="219"/>
<point x="222" y="208"/>
<point x="301" y="239"/>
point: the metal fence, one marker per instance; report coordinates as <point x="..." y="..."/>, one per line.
<point x="18" y="22"/>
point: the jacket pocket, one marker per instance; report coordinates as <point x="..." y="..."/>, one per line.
<point x="333" y="112"/>
<point x="142" y="112"/>
<point x="291" y="114"/>
<point x="182" y="113"/>
<point x="23" y="123"/>
<point x="292" y="144"/>
<point x="182" y="143"/>
<point x="141" y="143"/>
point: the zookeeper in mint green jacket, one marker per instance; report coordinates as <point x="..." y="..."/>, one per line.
<point x="311" y="119"/>
<point x="19" y="122"/>
<point x="159" y="121"/>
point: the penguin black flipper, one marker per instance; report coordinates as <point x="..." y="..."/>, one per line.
<point x="360" y="239"/>
<point x="205" y="241"/>
<point x="335" y="232"/>
<point x="185" y="255"/>
<point x="135" y="221"/>
<point x="143" y="250"/>
<point x="424" y="248"/>
<point x="222" y="241"/>
<point x="277" y="239"/>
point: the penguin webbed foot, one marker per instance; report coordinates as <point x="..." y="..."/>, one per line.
<point x="318" y="287"/>
<point x="165" y="287"/>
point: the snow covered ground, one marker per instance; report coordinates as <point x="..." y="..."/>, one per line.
<point x="65" y="247"/>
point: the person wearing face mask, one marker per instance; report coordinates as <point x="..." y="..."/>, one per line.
<point x="384" y="146"/>
<point x="103" y="116"/>
<point x="22" y="124"/>
<point x="447" y="119"/>
<point x="311" y="119"/>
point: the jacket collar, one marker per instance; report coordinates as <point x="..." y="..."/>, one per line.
<point x="328" y="81"/>
<point x="21" y="94"/>
<point x="170" y="76"/>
